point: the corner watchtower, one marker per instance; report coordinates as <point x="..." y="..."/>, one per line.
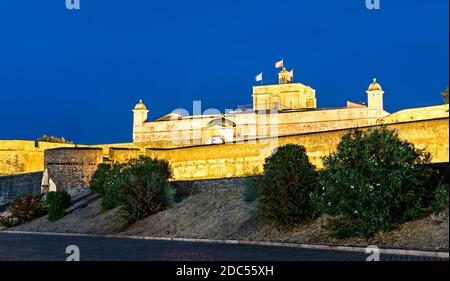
<point x="140" y="113"/>
<point x="375" y="99"/>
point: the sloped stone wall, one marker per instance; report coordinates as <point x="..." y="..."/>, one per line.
<point x="19" y="185"/>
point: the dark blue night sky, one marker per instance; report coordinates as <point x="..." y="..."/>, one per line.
<point x="78" y="74"/>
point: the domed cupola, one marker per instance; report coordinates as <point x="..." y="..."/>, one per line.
<point x="140" y="106"/>
<point x="374" y="86"/>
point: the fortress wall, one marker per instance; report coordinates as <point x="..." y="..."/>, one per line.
<point x="246" y="159"/>
<point x="432" y="135"/>
<point x="243" y="159"/>
<point x="20" y="161"/>
<point x="21" y="156"/>
<point x="18" y="186"/>
<point x="17" y="145"/>
<point x="415" y="114"/>
<point x="214" y="161"/>
<point x="72" y="167"/>
<point x="122" y="155"/>
<point x="136" y="145"/>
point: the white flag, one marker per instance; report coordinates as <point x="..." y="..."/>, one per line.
<point x="291" y="73"/>
<point x="259" y="77"/>
<point x="279" y="64"/>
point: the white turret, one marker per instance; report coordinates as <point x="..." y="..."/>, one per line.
<point x="139" y="117"/>
<point x="375" y="100"/>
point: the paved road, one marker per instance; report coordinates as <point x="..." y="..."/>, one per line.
<point x="53" y="247"/>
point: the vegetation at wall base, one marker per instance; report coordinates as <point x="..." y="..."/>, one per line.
<point x="141" y="200"/>
<point x="288" y="191"/>
<point x="373" y="182"/>
<point x="140" y="187"/>
<point x="23" y="209"/>
<point x="114" y="181"/>
<point x="440" y="199"/>
<point x="147" y="190"/>
<point x="99" y="177"/>
<point x="57" y="202"/>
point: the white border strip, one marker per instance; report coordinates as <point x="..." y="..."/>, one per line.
<point x="400" y="252"/>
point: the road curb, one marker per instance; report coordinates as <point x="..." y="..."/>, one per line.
<point x="387" y="251"/>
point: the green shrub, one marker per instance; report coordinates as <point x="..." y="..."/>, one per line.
<point x="374" y="181"/>
<point x="142" y="172"/>
<point x="114" y="181"/>
<point x="142" y="169"/>
<point x="288" y="191"/>
<point x="23" y="209"/>
<point x="57" y="202"/>
<point x="440" y="199"/>
<point x="250" y="188"/>
<point x="141" y="200"/>
<point x="98" y="179"/>
<point x="147" y="190"/>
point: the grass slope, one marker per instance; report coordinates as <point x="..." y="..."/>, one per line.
<point x="224" y="215"/>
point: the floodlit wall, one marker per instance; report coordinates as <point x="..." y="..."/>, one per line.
<point x="426" y="127"/>
<point x="21" y="156"/>
<point x="246" y="159"/>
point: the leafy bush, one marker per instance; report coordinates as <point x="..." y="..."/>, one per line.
<point x="440" y="199"/>
<point x="23" y="209"/>
<point x="98" y="179"/>
<point x="374" y="181"/>
<point x="57" y="202"/>
<point x="140" y="186"/>
<point x="114" y="181"/>
<point x="141" y="200"/>
<point x="147" y="190"/>
<point x="288" y="191"/>
<point x="142" y="169"/>
<point x="250" y="188"/>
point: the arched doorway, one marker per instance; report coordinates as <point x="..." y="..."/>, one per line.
<point x="219" y="130"/>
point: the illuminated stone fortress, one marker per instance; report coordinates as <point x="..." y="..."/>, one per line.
<point x="235" y="143"/>
<point x="283" y="109"/>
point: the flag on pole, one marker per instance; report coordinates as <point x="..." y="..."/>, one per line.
<point x="259" y="77"/>
<point x="291" y="73"/>
<point x="279" y="64"/>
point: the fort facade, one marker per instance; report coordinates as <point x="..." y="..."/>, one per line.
<point x="233" y="143"/>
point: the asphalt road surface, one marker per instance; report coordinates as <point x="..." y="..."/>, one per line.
<point x="34" y="247"/>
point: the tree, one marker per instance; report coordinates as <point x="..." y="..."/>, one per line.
<point x="54" y="139"/>
<point x="445" y="95"/>
<point x="288" y="191"/>
<point x="373" y="182"/>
